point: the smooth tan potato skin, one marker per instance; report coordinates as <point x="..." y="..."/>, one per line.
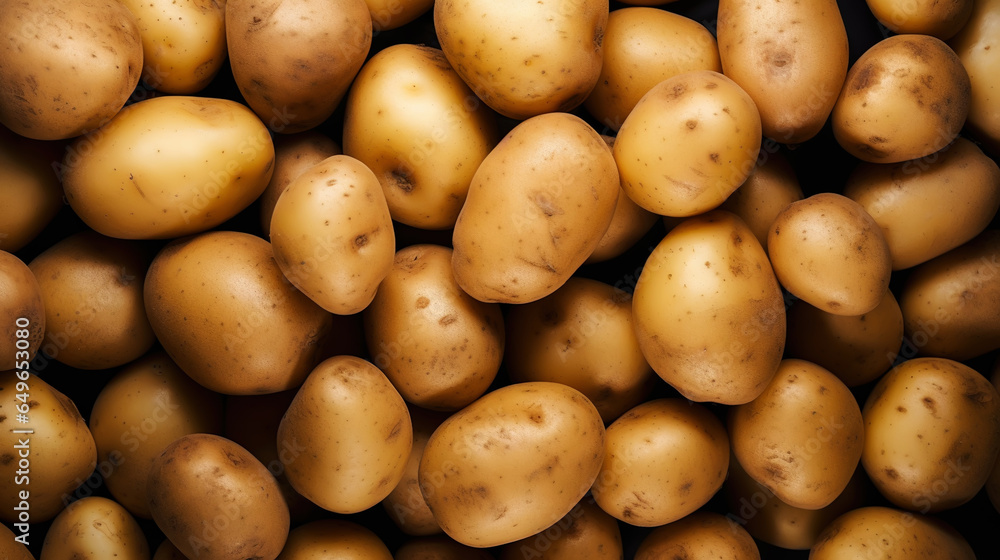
<point x="951" y="304"/>
<point x="356" y="433"/>
<point x="874" y="122"/>
<point x="405" y="505"/>
<point x="391" y="14"/>
<point x="167" y="551"/>
<point x="629" y="224"/>
<point x="585" y="532"/>
<point x="708" y="311"/>
<point x="524" y="59"/>
<point x="892" y="534"/>
<point x="94" y="528"/>
<point x="929" y="206"/>
<point x="771" y="186"/>
<point x="538" y="206"/>
<point x="440" y="133"/>
<point x="334" y="538"/>
<point x="829" y="252"/>
<point x="30" y="192"/>
<point x="61" y="451"/>
<point x="932" y="434"/>
<point x="643" y="47"/>
<point x="439" y="548"/>
<point x="699" y="536"/>
<point x="265" y="341"/>
<point x="70" y="67"/>
<point x="802" y="437"/>
<point x="293" y="62"/>
<point x="926" y="17"/>
<point x="11" y="549"/>
<point x="978" y="47"/>
<point x="201" y="478"/>
<point x="512" y="463"/>
<point x="143" y="409"/>
<point x="22" y="299"/>
<point x="790" y="58"/>
<point x="662" y="460"/>
<point x="293" y="155"/>
<point x="711" y="129"/>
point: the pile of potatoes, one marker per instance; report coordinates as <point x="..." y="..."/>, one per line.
<point x="376" y="279"/>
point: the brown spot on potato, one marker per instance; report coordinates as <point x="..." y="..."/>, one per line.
<point x="892" y="474"/>
<point x="867" y="76"/>
<point x="930" y="405"/>
<point x="692" y="124"/>
<point x="6" y="459"/>
<point x="360" y="241"/>
<point x="400" y="179"/>
<point x="395" y="431"/>
<point x="447" y="320"/>
<point x="422" y="302"/>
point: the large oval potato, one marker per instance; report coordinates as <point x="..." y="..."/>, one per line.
<point x="23" y="310"/>
<point x="94" y="527"/>
<point x="791" y="59"/>
<point x="890" y="533"/>
<point x="167" y="167"/>
<point x="978" y="47"/>
<point x="30" y="192"/>
<point x="538" y="206"/>
<point x="512" y="463"/>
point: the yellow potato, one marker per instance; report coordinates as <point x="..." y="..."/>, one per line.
<point x="441" y="133"/>
<point x="94" y="527"/>
<point x="709" y="127"/>
<point x="538" y="206"/>
<point x="390" y="14"/>
<point x="512" y="463"/>
<point x="629" y="224"/>
<point x="439" y="548"/>
<point x="662" y="460"/>
<point x="23" y="310"/>
<point x="525" y="59"/>
<point x="890" y="533"/>
<point x="167" y="167"/>
<point x="11" y="546"/>
<point x="929" y="206"/>
<point x="643" y="47"/>
<point x="332" y="235"/>
<point x="585" y="532"/>
<point x="927" y="17"/>
<point x="708" y="311"/>
<point x="30" y="192"/>
<point x="771" y="186"/>
<point x="932" y="434"/>
<point x="334" y="538"/>
<point x="790" y="58"/>
<point x="832" y="254"/>
<point x="699" y="536"/>
<point x="978" y="47"/>
<point x="405" y="505"/>
<point x="293" y="155"/>
<point x="905" y="98"/>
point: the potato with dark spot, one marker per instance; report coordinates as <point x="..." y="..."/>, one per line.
<point x="688" y="144"/>
<point x="94" y="528"/>
<point x="439" y="547"/>
<point x="905" y="98"/>
<point x="215" y="501"/>
<point x="832" y="254"/>
<point x="23" y="312"/>
<point x="932" y="434"/>
<point x="771" y="186"/>
<point x="512" y="463"/>
<point x="334" y="538"/>
<point x="405" y="505"/>
<point x="699" y="536"/>
<point x="887" y="533"/>
<point x="663" y="460"/>
<point x="30" y="192"/>
<point x="708" y="311"/>
<point x="978" y="47"/>
<point x="293" y="155"/>
<point x="926" y="17"/>
<point x="585" y="532"/>
<point x="802" y="437"/>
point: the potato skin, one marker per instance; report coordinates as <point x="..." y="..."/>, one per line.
<point x="30" y="192"/>
<point x="94" y="528"/>
<point x="978" y="47"/>
<point x="512" y="463"/>
<point x="771" y="186"/>
<point x="22" y="299"/>
<point x="334" y="538"/>
<point x="538" y="206"/>
<point x="439" y="547"/>
<point x="293" y="155"/>
<point x="585" y="532"/>
<point x="392" y="14"/>
<point x="406" y="505"/>
<point x="11" y="549"/>
<point x="70" y="67"/>
<point x="629" y="224"/>
<point x="790" y="58"/>
<point x="875" y="123"/>
<point x="699" y="536"/>
<point x="925" y="17"/>
<point x="893" y="534"/>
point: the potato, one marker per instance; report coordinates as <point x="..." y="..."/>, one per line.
<point x="440" y="347"/>
<point x="978" y="48"/>
<point x="167" y="551"/>
<point x="708" y="311"/>
<point x="857" y="349"/>
<point x="94" y="528"/>
<point x="215" y="501"/>
<point x="441" y="133"/>
<point x="662" y="460"/>
<point x="293" y="61"/>
<point x="905" y="98"/>
<point x="711" y="129"/>
<point x="391" y="14"/>
<point x="643" y="47"/>
<point x="23" y="311"/>
<point x="512" y="463"/>
<point x="167" y="167"/>
<point x="993" y="482"/>
<point x="585" y="532"/>
<point x="929" y="206"/>
<point x="699" y="536"/>
<point x="405" y="505"/>
<point x="333" y="246"/>
<point x="30" y="193"/>
<point x="951" y="304"/>
<point x="802" y="437"/>
<point x="11" y="548"/>
<point x="183" y="43"/>
<point x="629" y="224"/>
<point x="222" y="310"/>
<point x="832" y="254"/>
<point x="524" y="59"/>
<point x="941" y="20"/>
<point x="932" y="434"/>
<point x="56" y="458"/>
<point x="439" y="548"/>
<point x="582" y="336"/>
<point x="538" y="206"/>
<point x="92" y="289"/>
<point x="771" y="186"/>
<point x="791" y="59"/>
<point x="334" y="538"/>
<point x="293" y="155"/>
<point x="70" y="67"/>
<point x="357" y="432"/>
<point x="890" y="533"/>
<point x="143" y="409"/>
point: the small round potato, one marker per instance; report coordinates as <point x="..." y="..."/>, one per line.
<point x="293" y="155"/>
<point x="94" y="528"/>
<point x="30" y="192"/>
<point x="880" y="532"/>
<point x="23" y="309"/>
<point x="334" y="539"/>
<point x="585" y="532"/>
<point x="925" y="17"/>
<point x="771" y="186"/>
<point x="978" y="47"/>
<point x="699" y="536"/>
